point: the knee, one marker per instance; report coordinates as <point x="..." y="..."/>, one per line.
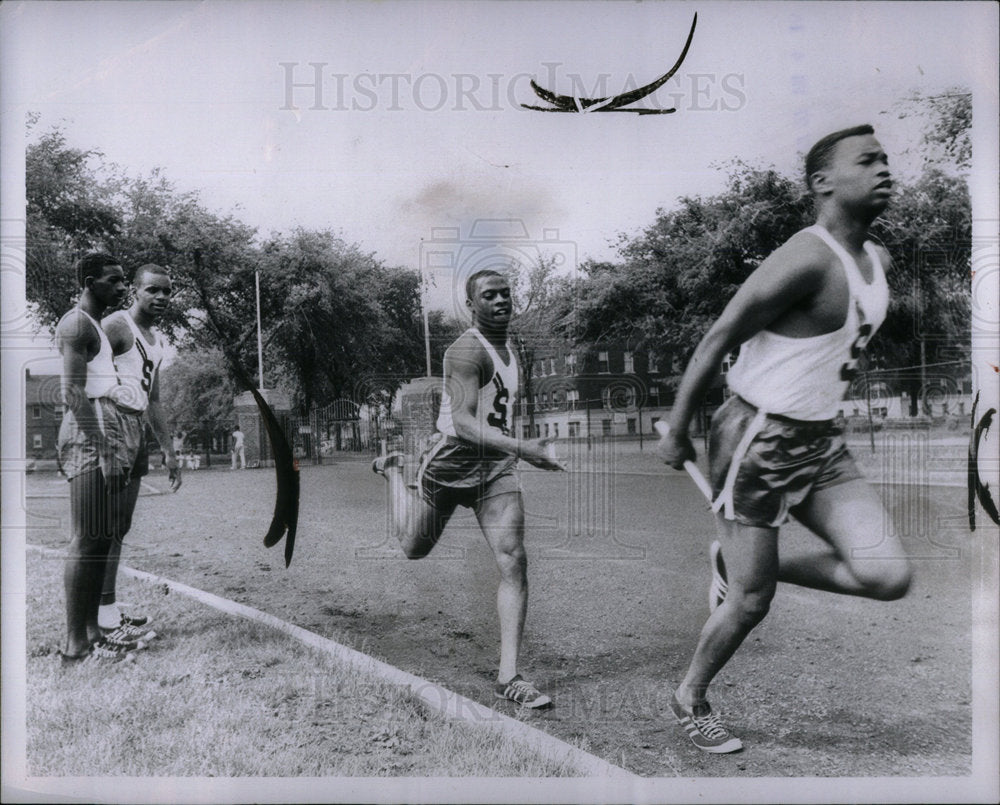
<point x="891" y="583"/>
<point x="750" y="608"/>
<point x="513" y="563"/>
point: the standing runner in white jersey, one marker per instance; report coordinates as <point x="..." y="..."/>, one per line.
<point x="138" y="351"/>
<point x="802" y="319"/>
<point x="472" y="464"/>
<point x="97" y="448"/>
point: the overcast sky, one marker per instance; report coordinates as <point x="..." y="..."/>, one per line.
<point x="420" y="127"/>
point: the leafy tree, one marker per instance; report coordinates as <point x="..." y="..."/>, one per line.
<point x="341" y="321"/>
<point x="677" y="276"/>
<point x="68" y="211"/>
<point x="947" y="127"/>
<point x="541" y="300"/>
<point x="928" y="232"/>
<point x="196" y="390"/>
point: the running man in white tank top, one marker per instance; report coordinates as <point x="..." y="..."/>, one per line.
<point x="97" y="448"/>
<point x="800" y="320"/>
<point x="138" y="351"/>
<point x="472" y="465"/>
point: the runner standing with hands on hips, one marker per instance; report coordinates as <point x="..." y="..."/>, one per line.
<point x="472" y="464"/>
<point x="801" y="320"/>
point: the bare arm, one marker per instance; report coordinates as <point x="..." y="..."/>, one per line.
<point x="462" y="374"/>
<point x="75" y="337"/>
<point x="789" y="277"/>
<point x="118" y="332"/>
<point x="157" y="418"/>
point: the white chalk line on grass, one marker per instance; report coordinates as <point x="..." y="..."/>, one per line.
<point x="450" y="704"/>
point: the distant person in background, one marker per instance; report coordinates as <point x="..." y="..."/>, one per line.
<point x="138" y="352"/>
<point x="237" y="449"/>
<point x="97" y="447"/>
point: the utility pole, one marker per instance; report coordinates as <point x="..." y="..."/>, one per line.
<point x="260" y="343"/>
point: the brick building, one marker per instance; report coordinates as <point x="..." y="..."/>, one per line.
<point x="600" y="390"/>
<point x="43" y="412"/>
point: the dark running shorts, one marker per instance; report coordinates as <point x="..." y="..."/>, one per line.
<point x="456" y="473"/>
<point x="123" y="431"/>
<point x="783" y="464"/>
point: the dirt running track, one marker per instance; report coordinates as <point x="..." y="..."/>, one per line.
<point x="827" y="686"/>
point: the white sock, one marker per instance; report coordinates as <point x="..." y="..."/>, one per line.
<point x="109" y="616"/>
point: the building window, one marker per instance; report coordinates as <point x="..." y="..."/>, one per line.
<point x="538" y="429"/>
<point x="526" y="430"/>
<point x="545" y="398"/>
<point x="572" y="397"/>
<point x="552" y="366"/>
<point x="546" y="429"/>
<point x="605" y="427"/>
<point x="555" y="429"/>
<point x="629" y="363"/>
<point x="654" y="365"/>
<point x="654" y="395"/>
<point x="653" y="421"/>
<point x="574" y="429"/>
<point x="36" y="441"/>
<point x="59" y="409"/>
<point x="676" y="365"/>
<point x="571" y="364"/>
<point x="36" y="412"/>
<point x="602" y="362"/>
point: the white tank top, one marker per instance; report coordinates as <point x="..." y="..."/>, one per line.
<point x="806" y="378"/>
<point x="495" y="406"/>
<point x="102" y="379"/>
<point x="137" y="367"/>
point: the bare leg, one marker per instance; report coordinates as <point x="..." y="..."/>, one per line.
<point x="502" y="521"/>
<point x="849" y="517"/>
<point x="122" y="508"/>
<point x="414" y="522"/>
<point x="751" y="556"/>
<point x="85" y="560"/>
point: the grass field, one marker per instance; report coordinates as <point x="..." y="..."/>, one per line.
<point x="827" y="686"/>
<point x="219" y="696"/>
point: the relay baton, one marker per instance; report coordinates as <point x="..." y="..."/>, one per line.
<point x="689" y="466"/>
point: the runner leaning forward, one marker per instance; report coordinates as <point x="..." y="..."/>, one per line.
<point x="800" y="320"/>
<point x="472" y="464"/>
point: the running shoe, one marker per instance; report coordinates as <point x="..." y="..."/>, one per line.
<point x="720" y="586"/>
<point x="126" y="632"/>
<point x="109" y="651"/>
<point x="103" y="652"/>
<point x="116" y="641"/>
<point x="705" y="731"/>
<point x="521" y="692"/>
<point x="127" y="620"/>
<point x="382" y="463"/>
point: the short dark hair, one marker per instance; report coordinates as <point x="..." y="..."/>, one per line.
<point x="819" y="155"/>
<point x="93" y="265"/>
<point x="470" y="283"/>
<point x="149" y="268"/>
